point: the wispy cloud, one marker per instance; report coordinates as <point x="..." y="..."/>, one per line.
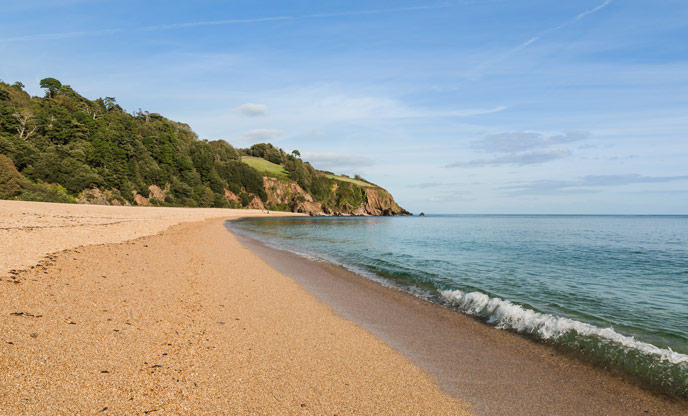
<point x="315" y="133"/>
<point x="451" y="197"/>
<point x="331" y="161"/>
<point x="252" y="109"/>
<point x="425" y="185"/>
<point x="219" y="22"/>
<point x="510" y="142"/>
<point x="520" y="159"/>
<point x="447" y="185"/>
<point x="349" y="107"/>
<point x="588" y="183"/>
<point x="593" y="10"/>
<point x="262" y="134"/>
<point x="522" y="148"/>
<point x="578" y="17"/>
<point x="483" y="66"/>
<point x="317" y="111"/>
<point x="329" y="103"/>
<point x="338" y="105"/>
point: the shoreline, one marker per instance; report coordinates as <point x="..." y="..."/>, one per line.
<point x="540" y="380"/>
<point x="186" y="321"/>
<point x="31" y="231"/>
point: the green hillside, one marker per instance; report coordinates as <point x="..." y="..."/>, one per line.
<point x="63" y="144"/>
<point x="264" y="166"/>
<point x="63" y="147"/>
<point x="348" y="179"/>
<point x="278" y="171"/>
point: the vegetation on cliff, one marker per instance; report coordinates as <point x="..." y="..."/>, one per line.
<point x="64" y="147"/>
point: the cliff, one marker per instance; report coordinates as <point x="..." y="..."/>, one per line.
<point x="375" y="200"/>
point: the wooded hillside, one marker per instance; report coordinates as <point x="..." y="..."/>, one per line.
<point x="64" y="147"/>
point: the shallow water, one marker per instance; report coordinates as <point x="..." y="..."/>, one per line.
<point x="612" y="289"/>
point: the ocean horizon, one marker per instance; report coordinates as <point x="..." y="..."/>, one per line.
<point x="609" y="289"/>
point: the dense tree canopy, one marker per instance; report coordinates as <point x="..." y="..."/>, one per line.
<point x="66" y="139"/>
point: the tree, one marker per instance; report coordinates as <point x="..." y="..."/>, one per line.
<point x="51" y="85"/>
<point x="110" y="103"/>
<point x="10" y="179"/>
<point x="296" y="153"/>
<point x="206" y="198"/>
<point x="245" y="198"/>
<point x="67" y="90"/>
<point x="273" y="155"/>
<point x="26" y="126"/>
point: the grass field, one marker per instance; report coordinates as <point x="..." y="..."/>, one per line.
<point x="346" y="179"/>
<point x="272" y="169"/>
<point x="262" y="165"/>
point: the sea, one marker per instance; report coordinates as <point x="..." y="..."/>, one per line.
<point x="611" y="290"/>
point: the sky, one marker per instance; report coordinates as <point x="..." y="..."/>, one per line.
<point x="457" y="106"/>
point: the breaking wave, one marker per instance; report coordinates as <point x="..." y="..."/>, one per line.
<point x="657" y="367"/>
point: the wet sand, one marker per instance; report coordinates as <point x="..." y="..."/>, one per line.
<point x="498" y="372"/>
<point x="186" y="321"/>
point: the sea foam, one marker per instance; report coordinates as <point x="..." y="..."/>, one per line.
<point x="507" y="315"/>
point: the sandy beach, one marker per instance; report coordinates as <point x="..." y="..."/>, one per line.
<point x="114" y="310"/>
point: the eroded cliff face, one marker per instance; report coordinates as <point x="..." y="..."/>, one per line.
<point x="376" y="201"/>
<point x="281" y="195"/>
<point x="380" y="202"/>
<point x="291" y="196"/>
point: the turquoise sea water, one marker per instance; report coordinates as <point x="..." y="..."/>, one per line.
<point x="611" y="289"/>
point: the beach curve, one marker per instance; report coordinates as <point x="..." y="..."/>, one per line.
<point x="166" y="313"/>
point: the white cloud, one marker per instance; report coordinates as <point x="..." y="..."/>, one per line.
<point x="252" y="109"/>
<point x="589" y="183"/>
<point x="522" y="148"/>
<point x="262" y="134"/>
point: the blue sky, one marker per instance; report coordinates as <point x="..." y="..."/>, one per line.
<point x="491" y="106"/>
